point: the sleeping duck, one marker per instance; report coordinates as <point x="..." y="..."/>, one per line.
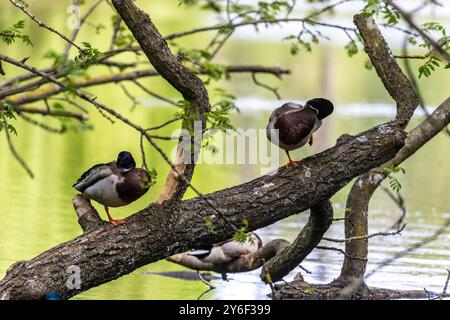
<point x="292" y="125"/>
<point x="114" y="184"/>
<point x="227" y="251"/>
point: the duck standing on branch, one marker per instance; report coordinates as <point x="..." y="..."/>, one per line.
<point x="292" y="125"/>
<point x="114" y="184"/>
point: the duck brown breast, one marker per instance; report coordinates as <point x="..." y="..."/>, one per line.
<point x="295" y="126"/>
<point x="132" y="187"/>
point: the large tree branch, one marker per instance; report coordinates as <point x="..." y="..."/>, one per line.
<point x="357" y="206"/>
<point x="319" y="221"/>
<point x="157" y="232"/>
<point x="402" y="91"/>
<point x="171" y="69"/>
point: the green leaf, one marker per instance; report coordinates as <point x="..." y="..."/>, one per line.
<point x="19" y="24"/>
<point x="371" y="8"/>
<point x="393" y="181"/>
<point x="351" y="49"/>
<point x="15" y="32"/>
<point x="209" y="223"/>
<point x="429" y="66"/>
<point x="88" y="56"/>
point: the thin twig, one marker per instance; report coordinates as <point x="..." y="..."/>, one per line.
<point x="341" y="251"/>
<point x="444" y="291"/>
<point x="44" y="126"/>
<point x="164" y="124"/>
<point x="304" y="269"/>
<point x="265" y="86"/>
<point x="400" y="202"/>
<point x="153" y="94"/>
<point x="82" y="20"/>
<point x="254" y="23"/>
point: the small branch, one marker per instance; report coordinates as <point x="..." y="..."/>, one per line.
<point x="141" y="146"/>
<point x="407" y="17"/>
<point x="88" y="217"/>
<point x="265" y="86"/>
<point x="411" y="248"/>
<point x="43" y="25"/>
<point x="276" y="71"/>
<point x="254" y="23"/>
<point x="39" y="93"/>
<point x="164" y="124"/>
<point x="127" y="93"/>
<point x="444" y="291"/>
<point x="244" y="263"/>
<point x="400" y="202"/>
<point x="13" y="150"/>
<point x="341" y="251"/>
<point x="115" y="32"/>
<point x="55" y="113"/>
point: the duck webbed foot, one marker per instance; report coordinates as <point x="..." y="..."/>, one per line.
<point x="116" y="222"/>
<point x="292" y="163"/>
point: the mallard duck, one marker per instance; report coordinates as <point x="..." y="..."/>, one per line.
<point x="114" y="184"/>
<point x="227" y="251"/>
<point x="292" y="125"/>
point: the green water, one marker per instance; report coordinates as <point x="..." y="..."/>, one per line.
<point x="37" y="214"/>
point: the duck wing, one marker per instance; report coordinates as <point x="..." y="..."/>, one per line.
<point x="94" y="174"/>
<point x="234" y="249"/>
